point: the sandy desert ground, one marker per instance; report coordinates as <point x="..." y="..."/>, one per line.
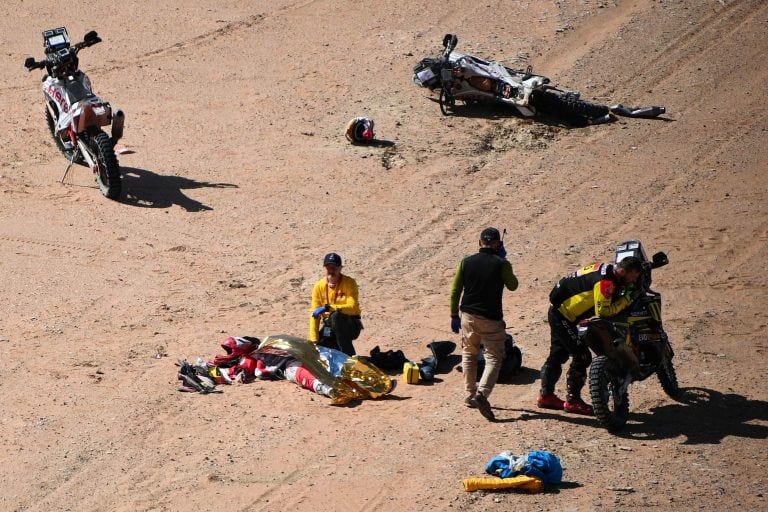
<point x="241" y="179"/>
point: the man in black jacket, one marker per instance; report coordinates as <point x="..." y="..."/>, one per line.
<point x="479" y="283"/>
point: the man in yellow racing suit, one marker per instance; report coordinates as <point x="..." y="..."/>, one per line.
<point x="590" y="291"/>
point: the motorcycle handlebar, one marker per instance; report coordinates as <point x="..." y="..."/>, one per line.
<point x="30" y="63"/>
<point x="449" y="42"/>
<point x="90" y="39"/>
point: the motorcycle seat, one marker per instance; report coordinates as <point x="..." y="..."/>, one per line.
<point x="77" y="92"/>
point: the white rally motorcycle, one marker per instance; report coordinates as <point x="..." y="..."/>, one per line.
<point x="470" y="79"/>
<point x="75" y="114"/>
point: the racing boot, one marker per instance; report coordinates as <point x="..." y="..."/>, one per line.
<point x="324" y="389"/>
<point x="550" y="401"/>
<point x="547" y="398"/>
<point x="573" y="402"/>
<point x="578" y="406"/>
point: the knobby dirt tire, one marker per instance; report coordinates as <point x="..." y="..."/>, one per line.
<point x="611" y="410"/>
<point x="447" y="102"/>
<point x="567" y="105"/>
<point x="108" y="174"/>
<point x="668" y="378"/>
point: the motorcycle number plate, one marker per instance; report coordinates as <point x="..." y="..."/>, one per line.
<point x="425" y="75"/>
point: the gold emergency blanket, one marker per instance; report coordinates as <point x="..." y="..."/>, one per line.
<point x="357" y="379"/>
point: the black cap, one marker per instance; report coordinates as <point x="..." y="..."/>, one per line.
<point x="490" y="235"/>
<point x="332" y="259"/>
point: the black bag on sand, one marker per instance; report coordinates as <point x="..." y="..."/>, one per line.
<point x="513" y="361"/>
<point x="389" y="361"/>
<point x="440" y="351"/>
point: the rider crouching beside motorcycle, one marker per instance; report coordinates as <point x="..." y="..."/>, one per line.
<point x="600" y="289"/>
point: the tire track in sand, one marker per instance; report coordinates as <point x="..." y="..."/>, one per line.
<point x="48" y="244"/>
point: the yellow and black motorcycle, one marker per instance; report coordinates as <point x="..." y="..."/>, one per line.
<point x="629" y="347"/>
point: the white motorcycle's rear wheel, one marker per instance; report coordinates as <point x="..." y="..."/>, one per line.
<point x="567" y="105"/>
<point x="108" y="169"/>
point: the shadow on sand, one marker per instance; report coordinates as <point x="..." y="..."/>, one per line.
<point x="146" y="189"/>
<point x="703" y="416"/>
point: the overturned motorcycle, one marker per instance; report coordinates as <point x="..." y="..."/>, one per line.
<point x="469" y="79"/>
<point x="75" y="114"/>
<point x="630" y="347"/>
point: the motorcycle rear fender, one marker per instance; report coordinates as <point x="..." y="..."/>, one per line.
<point x="603" y="338"/>
<point x="91" y="113"/>
<point x="598" y="335"/>
<point x="624" y="362"/>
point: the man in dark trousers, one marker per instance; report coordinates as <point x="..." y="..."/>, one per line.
<point x="335" y="308"/>
<point x="600" y="289"/>
<point x="476" y="294"/>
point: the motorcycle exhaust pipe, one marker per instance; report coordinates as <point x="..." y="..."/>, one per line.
<point x="118" y="121"/>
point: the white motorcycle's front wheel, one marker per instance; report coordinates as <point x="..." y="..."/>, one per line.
<point x="447" y="101"/>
